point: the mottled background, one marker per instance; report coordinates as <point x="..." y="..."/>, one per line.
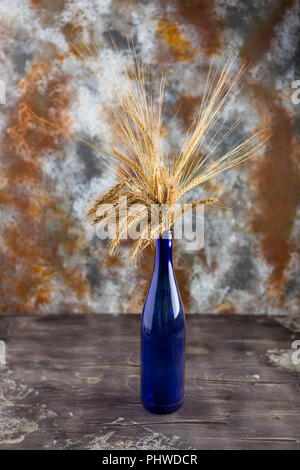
<point x="51" y="260"/>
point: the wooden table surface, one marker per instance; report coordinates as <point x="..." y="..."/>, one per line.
<point x="72" y="382"/>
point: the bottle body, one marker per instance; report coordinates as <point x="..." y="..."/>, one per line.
<point x="163" y="336"/>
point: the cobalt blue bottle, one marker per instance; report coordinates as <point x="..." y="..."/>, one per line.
<point x="162" y="336"/>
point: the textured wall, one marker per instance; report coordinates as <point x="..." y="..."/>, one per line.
<point x="51" y="260"/>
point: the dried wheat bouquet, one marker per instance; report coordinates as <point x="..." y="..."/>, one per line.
<point x="147" y="177"/>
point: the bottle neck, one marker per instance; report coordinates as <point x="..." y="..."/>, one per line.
<point x="163" y="252"/>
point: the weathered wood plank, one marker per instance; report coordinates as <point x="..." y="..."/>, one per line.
<point x="72" y="381"/>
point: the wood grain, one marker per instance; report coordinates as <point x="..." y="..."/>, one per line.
<point x="72" y="382"/>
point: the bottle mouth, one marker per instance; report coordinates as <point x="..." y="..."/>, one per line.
<point x="167" y="235"/>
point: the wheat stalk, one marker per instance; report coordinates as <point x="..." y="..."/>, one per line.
<point x="146" y="176"/>
<point x="138" y="115"/>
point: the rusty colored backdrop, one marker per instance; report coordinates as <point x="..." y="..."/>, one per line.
<point x="51" y="260"/>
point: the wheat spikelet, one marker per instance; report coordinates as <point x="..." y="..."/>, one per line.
<point x="108" y="197"/>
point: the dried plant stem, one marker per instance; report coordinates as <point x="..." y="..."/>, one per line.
<point x="145" y="176"/>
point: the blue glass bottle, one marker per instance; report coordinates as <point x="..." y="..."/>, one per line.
<point x="162" y="336"/>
